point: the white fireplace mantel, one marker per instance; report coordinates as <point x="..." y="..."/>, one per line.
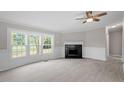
<point x="73" y="43"/>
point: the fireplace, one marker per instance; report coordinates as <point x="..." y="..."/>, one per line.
<point x="73" y="51"/>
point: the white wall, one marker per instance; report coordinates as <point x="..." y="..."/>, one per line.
<point x="6" y="61"/>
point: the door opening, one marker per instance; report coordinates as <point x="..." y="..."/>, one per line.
<point x="114" y="42"/>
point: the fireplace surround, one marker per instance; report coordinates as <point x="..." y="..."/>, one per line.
<point x="73" y="50"/>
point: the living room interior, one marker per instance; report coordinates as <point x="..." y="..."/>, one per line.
<point x="62" y="46"/>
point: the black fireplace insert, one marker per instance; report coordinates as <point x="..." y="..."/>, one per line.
<point x="73" y="51"/>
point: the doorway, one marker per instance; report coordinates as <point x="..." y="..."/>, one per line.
<point x="114" y="42"/>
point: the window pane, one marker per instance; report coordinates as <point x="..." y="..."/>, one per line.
<point x="46" y="46"/>
<point x="18" y="39"/>
<point x="33" y="40"/>
<point x="47" y="40"/>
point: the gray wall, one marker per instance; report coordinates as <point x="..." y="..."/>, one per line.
<point x="3" y="36"/>
<point x="115" y="43"/>
<point x="74" y="36"/>
<point x="123" y="40"/>
<point x="93" y="38"/>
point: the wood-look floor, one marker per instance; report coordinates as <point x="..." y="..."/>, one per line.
<point x="66" y="70"/>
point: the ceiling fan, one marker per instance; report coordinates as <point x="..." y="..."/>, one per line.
<point x="90" y="17"/>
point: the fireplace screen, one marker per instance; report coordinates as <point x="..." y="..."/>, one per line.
<point x="73" y="51"/>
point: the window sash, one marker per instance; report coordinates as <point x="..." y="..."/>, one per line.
<point x="18" y="38"/>
<point x="18" y="51"/>
<point x="48" y="44"/>
<point x="33" y="41"/>
<point x="34" y="49"/>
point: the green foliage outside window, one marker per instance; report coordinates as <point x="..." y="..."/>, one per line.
<point x="18" y="44"/>
<point x="33" y="40"/>
<point x="47" y="40"/>
<point x="47" y="46"/>
<point x="18" y="39"/>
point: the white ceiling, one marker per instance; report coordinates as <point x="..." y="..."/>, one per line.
<point x="58" y="21"/>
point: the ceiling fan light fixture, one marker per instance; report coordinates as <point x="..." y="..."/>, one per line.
<point x="114" y="26"/>
<point x="90" y="20"/>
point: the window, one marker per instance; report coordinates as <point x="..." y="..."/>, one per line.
<point x="34" y="44"/>
<point x="48" y="44"/>
<point x="24" y="42"/>
<point x="18" y="44"/>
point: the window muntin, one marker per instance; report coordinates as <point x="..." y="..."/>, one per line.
<point x="18" y="44"/>
<point x="33" y="44"/>
<point x="48" y="44"/>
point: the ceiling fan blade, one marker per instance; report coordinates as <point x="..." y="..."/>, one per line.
<point x="80" y="18"/>
<point x="83" y="22"/>
<point x="101" y="14"/>
<point x="96" y="19"/>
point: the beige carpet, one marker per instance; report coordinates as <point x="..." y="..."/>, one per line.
<point x="66" y="70"/>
